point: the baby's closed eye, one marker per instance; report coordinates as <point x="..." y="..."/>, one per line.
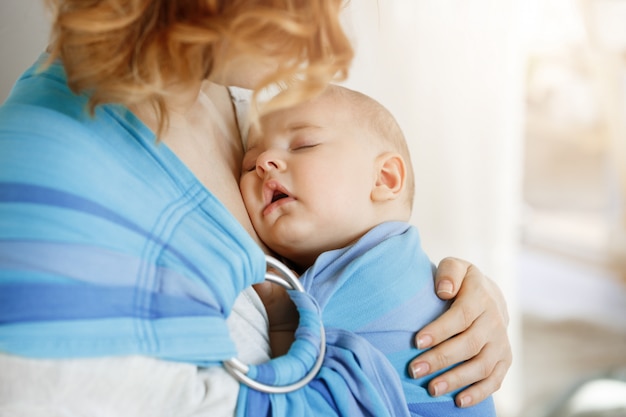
<point x="302" y="144"/>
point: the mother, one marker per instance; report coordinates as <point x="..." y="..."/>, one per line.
<point x="122" y="249"/>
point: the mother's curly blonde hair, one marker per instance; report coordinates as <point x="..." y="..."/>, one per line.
<point x="131" y="51"/>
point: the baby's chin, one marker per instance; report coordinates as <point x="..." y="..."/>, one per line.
<point x="299" y="261"/>
<point x="299" y="258"/>
<point x="296" y="240"/>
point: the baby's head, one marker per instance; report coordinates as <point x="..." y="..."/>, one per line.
<point x="318" y="176"/>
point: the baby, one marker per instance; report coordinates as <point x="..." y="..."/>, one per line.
<point x="329" y="187"/>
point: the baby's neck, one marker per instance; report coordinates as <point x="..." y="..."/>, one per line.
<point x="388" y="212"/>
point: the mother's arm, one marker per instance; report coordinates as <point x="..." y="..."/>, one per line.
<point x="473" y="330"/>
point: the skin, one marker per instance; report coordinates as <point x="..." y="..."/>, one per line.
<point x="310" y="181"/>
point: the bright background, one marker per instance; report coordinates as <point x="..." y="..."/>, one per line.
<point x="515" y="111"/>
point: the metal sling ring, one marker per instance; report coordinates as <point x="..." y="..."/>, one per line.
<point x="239" y="370"/>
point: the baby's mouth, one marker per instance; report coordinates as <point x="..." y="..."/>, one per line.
<point x="275" y="195"/>
<point x="278" y="195"/>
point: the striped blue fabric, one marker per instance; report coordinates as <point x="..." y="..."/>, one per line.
<point x="108" y="243"/>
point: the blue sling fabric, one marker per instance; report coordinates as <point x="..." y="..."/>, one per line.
<point x="108" y="243"/>
<point x="373" y="296"/>
<point x="355" y="379"/>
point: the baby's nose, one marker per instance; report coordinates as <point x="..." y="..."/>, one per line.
<point x="266" y="163"/>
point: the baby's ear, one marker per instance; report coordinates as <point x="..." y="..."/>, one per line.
<point x="390" y="177"/>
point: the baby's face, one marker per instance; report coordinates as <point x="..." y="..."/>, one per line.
<point x="307" y="179"/>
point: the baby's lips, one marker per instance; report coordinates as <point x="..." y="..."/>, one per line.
<point x="271" y="188"/>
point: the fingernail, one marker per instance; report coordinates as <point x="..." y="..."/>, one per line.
<point x="419" y="369"/>
<point x="445" y="287"/>
<point x="424" y="341"/>
<point x="465" y="401"/>
<point x="440" y="388"/>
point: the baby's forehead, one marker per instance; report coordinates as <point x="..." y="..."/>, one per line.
<point x="252" y="142"/>
<point x="330" y="109"/>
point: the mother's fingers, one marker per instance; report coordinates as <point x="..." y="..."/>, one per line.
<point x="463" y="347"/>
<point x="486" y="370"/>
<point x="482" y="367"/>
<point x="472" y="334"/>
<point x="472" y="301"/>
<point x="481" y="390"/>
<point x="449" y="276"/>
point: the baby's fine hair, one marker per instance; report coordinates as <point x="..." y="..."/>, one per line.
<point x="130" y="51"/>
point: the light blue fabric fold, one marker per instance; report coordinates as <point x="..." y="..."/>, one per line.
<point x="373" y="296"/>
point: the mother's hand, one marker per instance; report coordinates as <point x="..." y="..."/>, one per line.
<point x="472" y="331"/>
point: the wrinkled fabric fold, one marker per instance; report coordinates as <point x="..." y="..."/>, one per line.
<point x="372" y="296"/>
